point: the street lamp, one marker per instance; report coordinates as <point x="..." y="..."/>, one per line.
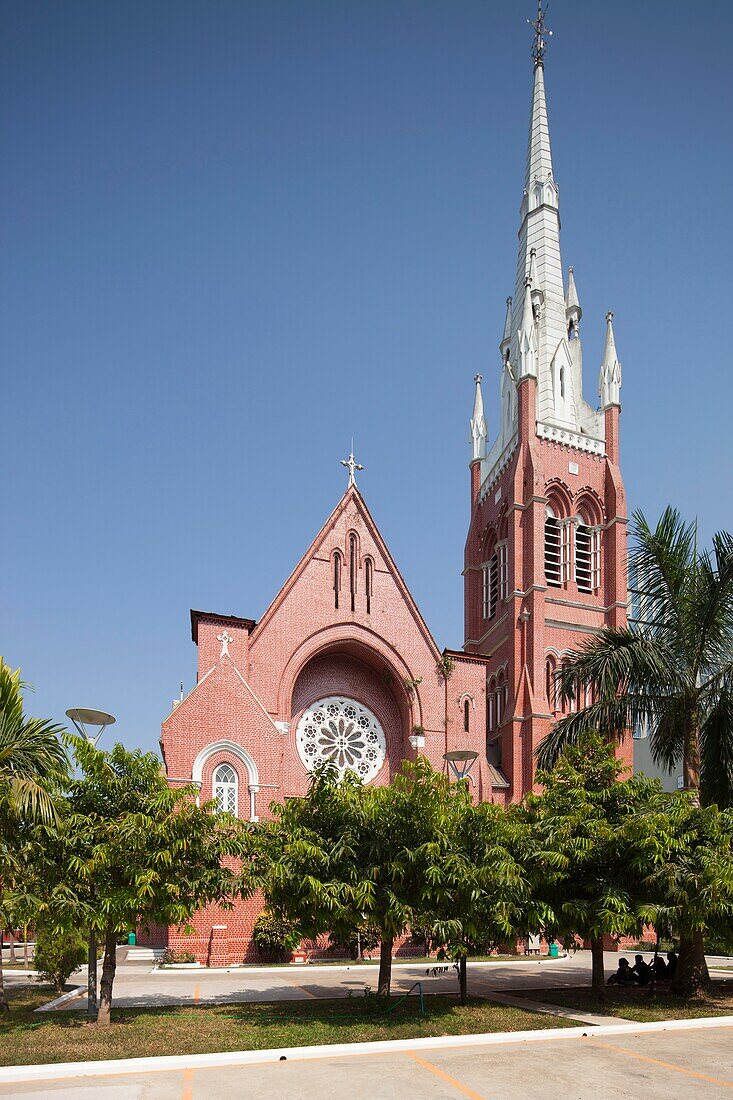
<point x="85" y="721"/>
<point x="460" y="761"/>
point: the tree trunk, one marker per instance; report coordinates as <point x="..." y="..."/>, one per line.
<point x="385" y="965"/>
<point x="463" y="979"/>
<point x="4" y="1006"/>
<point x="25" y="947"/>
<point x="692" y="978"/>
<point x="109" y="965"/>
<point x="691" y="757"/>
<point x="599" y="974"/>
<point x="11" y="953"/>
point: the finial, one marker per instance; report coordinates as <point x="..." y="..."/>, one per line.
<point x="351" y="466"/>
<point x="609" y="316"/>
<point x="478" y="379"/>
<point x="540" y="34"/>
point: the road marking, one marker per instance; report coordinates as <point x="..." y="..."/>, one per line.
<point x="659" y="1062"/>
<point x="452" y="1081"/>
<point x="187" y="1093"/>
<point x="302" y="988"/>
<point x="196" y="994"/>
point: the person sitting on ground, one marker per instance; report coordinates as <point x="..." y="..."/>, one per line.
<point x="660" y="969"/>
<point x="624" y="975"/>
<point x="642" y="970"/>
<point x="671" y="965"/>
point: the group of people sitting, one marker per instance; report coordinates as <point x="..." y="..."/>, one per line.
<point x="641" y="973"/>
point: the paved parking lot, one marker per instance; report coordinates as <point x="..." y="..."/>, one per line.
<point x="663" y="1065"/>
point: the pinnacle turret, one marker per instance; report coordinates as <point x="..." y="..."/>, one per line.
<point x="527" y="342"/>
<point x="573" y="312"/>
<point x="479" y="433"/>
<point x="609" y="383"/>
<point x="506" y="338"/>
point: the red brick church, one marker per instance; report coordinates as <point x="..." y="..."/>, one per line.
<point x="342" y="666"/>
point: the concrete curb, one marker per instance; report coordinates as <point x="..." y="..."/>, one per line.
<point x="63" y="999"/>
<point x="60" y="1070"/>
<point x="334" y="968"/>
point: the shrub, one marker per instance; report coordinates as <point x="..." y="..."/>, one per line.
<point x="57" y="955"/>
<point x="170" y="956"/>
<point x="272" y="935"/>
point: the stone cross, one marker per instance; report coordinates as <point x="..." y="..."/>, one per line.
<point x="226" y="640"/>
<point x="352" y="466"/>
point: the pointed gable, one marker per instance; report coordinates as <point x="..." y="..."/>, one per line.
<point x="313" y="578"/>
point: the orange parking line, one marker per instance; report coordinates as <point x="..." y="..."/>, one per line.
<point x="452" y="1081"/>
<point x="187" y="1093"/>
<point x="196" y="994"/>
<point x="659" y="1062"/>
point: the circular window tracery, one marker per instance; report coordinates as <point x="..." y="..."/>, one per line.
<point x="344" y="733"/>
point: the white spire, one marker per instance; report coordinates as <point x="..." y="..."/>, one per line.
<point x="478" y="424"/>
<point x="573" y="312"/>
<point x="609" y="383"/>
<point x="527" y="340"/>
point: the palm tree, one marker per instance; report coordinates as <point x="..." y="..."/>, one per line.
<point x="31" y="758"/>
<point x="671" y="669"/>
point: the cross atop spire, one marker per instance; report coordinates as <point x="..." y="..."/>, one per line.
<point x="351" y="466"/>
<point x="540" y="34"/>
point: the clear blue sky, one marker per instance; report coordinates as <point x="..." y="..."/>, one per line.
<point x="236" y="232"/>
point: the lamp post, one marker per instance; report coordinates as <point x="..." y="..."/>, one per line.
<point x="460" y="761"/>
<point x="85" y="721"/>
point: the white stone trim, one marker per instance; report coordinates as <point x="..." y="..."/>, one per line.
<point x="241" y="754"/>
<point x="571" y="439"/>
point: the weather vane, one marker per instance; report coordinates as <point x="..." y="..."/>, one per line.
<point x="351" y="466"/>
<point x="540" y="34"/>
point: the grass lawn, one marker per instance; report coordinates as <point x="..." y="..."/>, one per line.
<point x="27" y="1039"/>
<point x="635" y="1004"/>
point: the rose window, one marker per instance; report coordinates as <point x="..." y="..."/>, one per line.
<point x="344" y="733"/>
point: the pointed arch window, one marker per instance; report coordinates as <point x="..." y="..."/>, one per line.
<point x="491" y="706"/>
<point x="466" y="715"/>
<point x="550" y="685"/>
<point x="353" y="562"/>
<point x="562" y="383"/>
<point x="225" y="789"/>
<point x="553" y="549"/>
<point x="337" y="567"/>
<point x="369" y="583"/>
<point x="491" y="586"/>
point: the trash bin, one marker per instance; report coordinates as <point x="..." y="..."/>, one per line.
<point x="554" y="951"/>
<point x="131" y="939"/>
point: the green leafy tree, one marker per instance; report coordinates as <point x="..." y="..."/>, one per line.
<point x="344" y="855"/>
<point x="470" y="881"/>
<point x="127" y="849"/>
<point x="32" y="759"/>
<point x="609" y="834"/>
<point x="671" y="670"/>
<point x="693" y="885"/>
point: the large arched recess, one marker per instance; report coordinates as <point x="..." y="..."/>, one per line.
<point x="352" y="660"/>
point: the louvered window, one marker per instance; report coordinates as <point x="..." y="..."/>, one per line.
<point x="503" y="572"/>
<point x="553" y="550"/>
<point x="587" y="558"/>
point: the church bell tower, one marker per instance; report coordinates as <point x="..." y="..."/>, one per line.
<point x="545" y="557"/>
